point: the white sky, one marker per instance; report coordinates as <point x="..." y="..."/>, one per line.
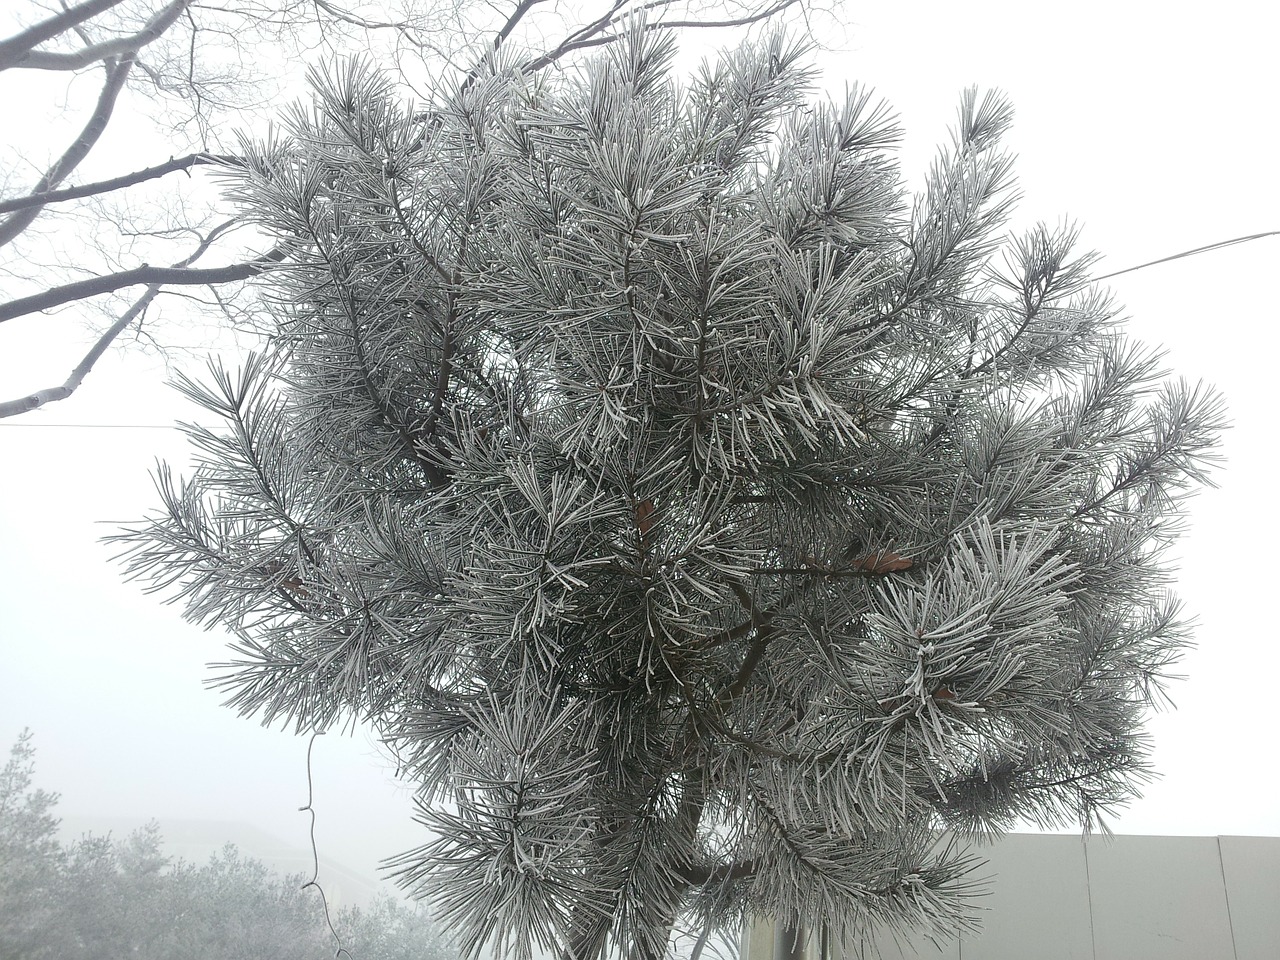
<point x="1154" y="125"/>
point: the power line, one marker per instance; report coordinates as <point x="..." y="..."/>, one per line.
<point x="1190" y="253"/>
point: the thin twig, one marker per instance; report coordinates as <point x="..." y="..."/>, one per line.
<point x="315" y="852"/>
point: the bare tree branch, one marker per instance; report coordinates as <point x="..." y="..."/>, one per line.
<point x="349" y="18"/>
<point x="173" y="165"/>
<point x="13" y="408"/>
<point x="116" y="75"/>
<point x="746" y="21"/>
<point x="518" y="14"/>
<point x="14" y="50"/>
<point x="593" y="34"/>
<point x="118" y="46"/>
<point x="109" y="283"/>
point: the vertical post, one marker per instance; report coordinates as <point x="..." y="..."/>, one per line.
<point x="788" y="943"/>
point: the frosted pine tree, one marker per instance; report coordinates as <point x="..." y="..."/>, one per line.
<point x="707" y="524"/>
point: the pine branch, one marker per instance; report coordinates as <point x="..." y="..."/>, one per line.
<point x="720" y="873"/>
<point x="390" y="417"/>
<point x="762" y="624"/>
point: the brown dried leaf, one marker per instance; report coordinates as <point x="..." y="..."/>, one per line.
<point x="882" y="561"/>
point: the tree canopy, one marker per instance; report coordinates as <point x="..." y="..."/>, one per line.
<point x="101" y="898"/>
<point x="706" y="522"/>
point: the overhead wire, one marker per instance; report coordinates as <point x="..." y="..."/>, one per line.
<point x="1191" y="253"/>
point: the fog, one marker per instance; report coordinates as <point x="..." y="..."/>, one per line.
<point x="1157" y="131"/>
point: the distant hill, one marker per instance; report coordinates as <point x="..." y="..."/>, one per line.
<point x="197" y="840"/>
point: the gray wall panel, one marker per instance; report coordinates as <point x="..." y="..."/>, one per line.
<point x="1039" y="902"/>
<point x="915" y="948"/>
<point x="1158" y="897"/>
<point x="1251" y="866"/>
